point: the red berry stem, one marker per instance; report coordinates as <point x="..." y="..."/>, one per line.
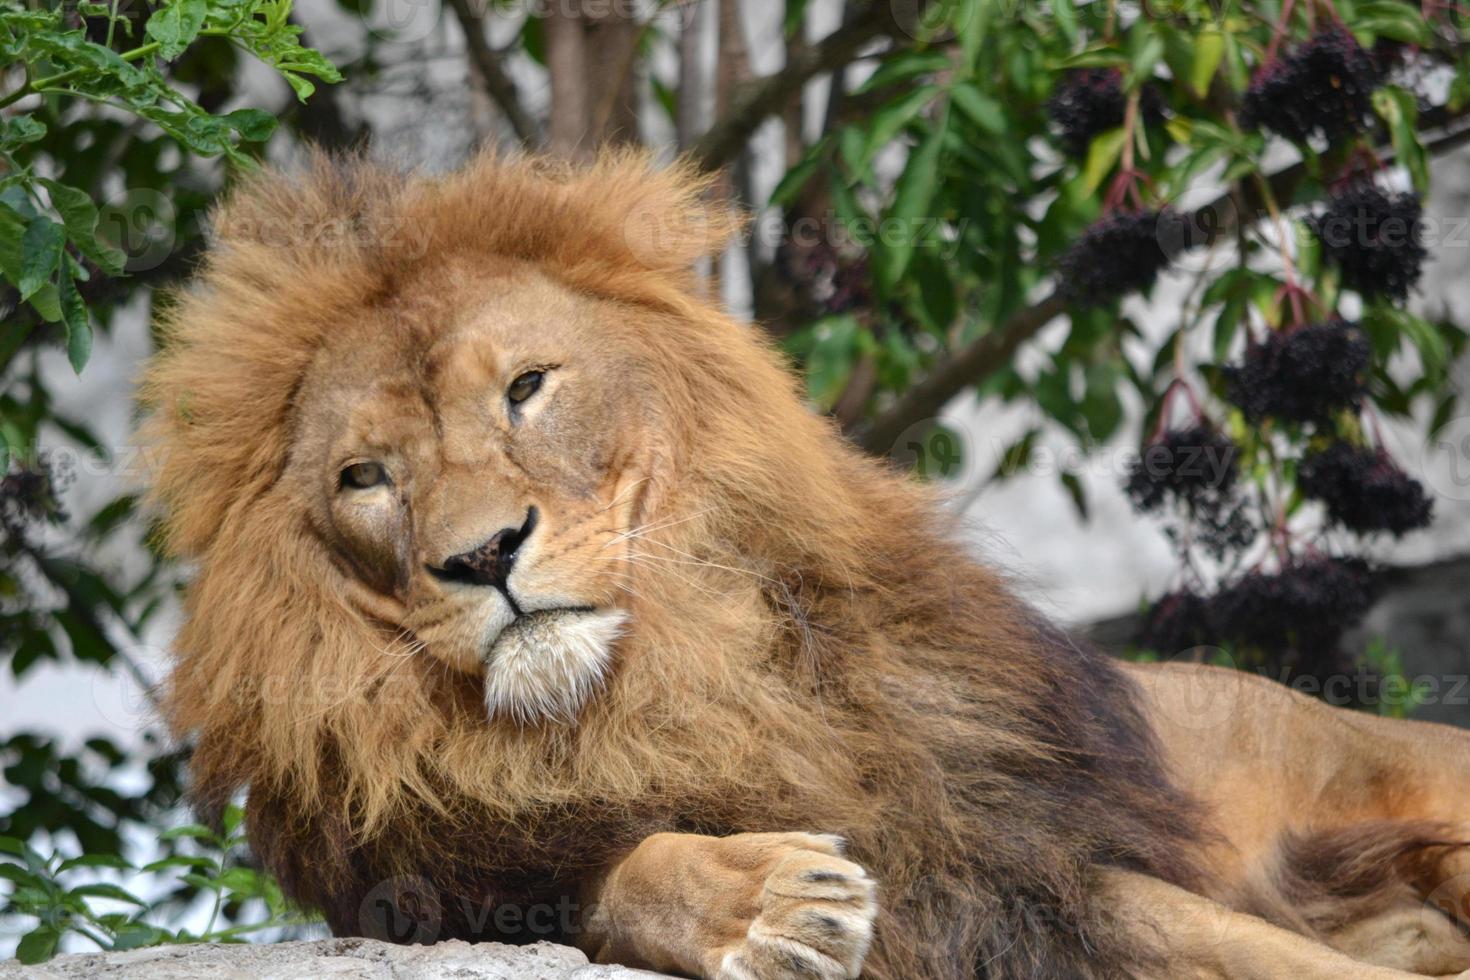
<point x="1279" y="31"/>
<point x="1362" y="161"/>
<point x="1175" y="387"/>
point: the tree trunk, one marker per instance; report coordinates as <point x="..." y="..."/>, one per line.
<point x="566" y="62"/>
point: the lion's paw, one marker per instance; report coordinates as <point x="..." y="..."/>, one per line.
<point x="815" y="918"/>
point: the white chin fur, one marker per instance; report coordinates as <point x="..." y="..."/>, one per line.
<point x="547" y="668"/>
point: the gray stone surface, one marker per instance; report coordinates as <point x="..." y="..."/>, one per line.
<point x="338" y="959"/>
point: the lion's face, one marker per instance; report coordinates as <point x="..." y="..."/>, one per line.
<point x="473" y="458"/>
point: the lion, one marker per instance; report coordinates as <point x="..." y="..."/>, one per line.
<point x="529" y="601"/>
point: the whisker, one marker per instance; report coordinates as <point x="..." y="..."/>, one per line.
<point x="644" y="558"/>
<point x="642" y="531"/>
<point x="621" y="493"/>
<point x="696" y="560"/>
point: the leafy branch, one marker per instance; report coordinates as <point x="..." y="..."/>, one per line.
<point x="46" y="888"/>
<point x="50" y="242"/>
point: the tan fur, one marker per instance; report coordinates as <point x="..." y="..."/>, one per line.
<point x="803" y="645"/>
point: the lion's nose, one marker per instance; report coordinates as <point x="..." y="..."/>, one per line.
<point x="491" y="562"/>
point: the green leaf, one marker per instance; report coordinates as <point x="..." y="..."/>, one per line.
<point x="253" y="125"/>
<point x="194" y="830"/>
<point x="1101" y="57"/>
<point x="301" y="86"/>
<point x="74" y="315"/>
<point x="1430" y="343"/>
<point x="79" y="215"/>
<point x="969" y="19"/>
<point x="102" y="889"/>
<point x="1145" y="58"/>
<point x="1399" y="108"/>
<point x="1236" y="68"/>
<point x="179" y="861"/>
<point x="979" y="108"/>
<point x="1074" y="488"/>
<point x="1066" y="18"/>
<point x="38" y="945"/>
<point x="242" y="882"/>
<point x="1101" y="407"/>
<point x="1227" y="324"/>
<point x="201" y="881"/>
<point x="19" y="875"/>
<point x="137" y="935"/>
<point x="22" y="129"/>
<point x="134" y="935"/>
<point x="40" y="253"/>
<point x="795" y="14"/>
<point x="1392" y="19"/>
<point x="796" y="178"/>
<point x="892" y="117"/>
<point x="12" y="229"/>
<point x="912" y="200"/>
<point x="902" y="67"/>
<point x="1101" y="155"/>
<point x="936" y="304"/>
<point x="829" y="363"/>
<point x="47" y="303"/>
<point x="176" y="25"/>
<point x="95" y="861"/>
<point x="1209" y="49"/>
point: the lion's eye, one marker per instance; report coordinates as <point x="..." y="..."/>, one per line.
<point x="524" y="386"/>
<point x="361" y="476"/>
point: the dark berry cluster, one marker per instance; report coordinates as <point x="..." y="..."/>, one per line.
<point x="1221" y="526"/>
<point x="1190" y="465"/>
<point x="1298" y="613"/>
<point x="851" y="287"/>
<point x="837" y="281"/>
<point x="1304" y="374"/>
<point x="1322" y="86"/>
<point x="1195" y="469"/>
<point x="28" y="495"/>
<point x="1118" y="254"/>
<point x="1374" y="237"/>
<point x="1364" y="489"/>
<point x="1176" y="622"/>
<point x="1090" y="101"/>
<point x="1305" y="606"/>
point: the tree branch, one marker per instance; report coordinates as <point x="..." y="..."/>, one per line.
<point x="689" y="99"/>
<point x="761" y="98"/>
<point x="976" y="360"/>
<point x="985" y="355"/>
<point x="614" y="38"/>
<point x="566" y="64"/>
<point x="498" y="85"/>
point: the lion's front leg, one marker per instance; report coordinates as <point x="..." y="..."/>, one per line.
<point x="745" y="907"/>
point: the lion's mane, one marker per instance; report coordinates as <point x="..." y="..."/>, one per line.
<point x="824" y="656"/>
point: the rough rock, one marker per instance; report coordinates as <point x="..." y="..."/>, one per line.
<point x="338" y="959"/>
